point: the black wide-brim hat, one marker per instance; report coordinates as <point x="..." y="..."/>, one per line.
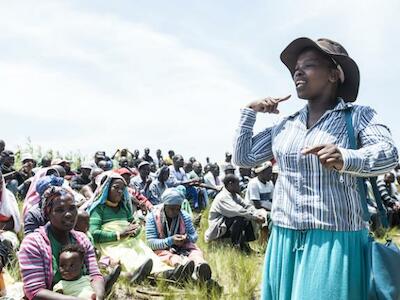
<point x="348" y="90"/>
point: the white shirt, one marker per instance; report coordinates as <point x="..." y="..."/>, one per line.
<point x="256" y="190"/>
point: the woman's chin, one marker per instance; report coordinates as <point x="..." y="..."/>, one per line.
<point x="302" y="95"/>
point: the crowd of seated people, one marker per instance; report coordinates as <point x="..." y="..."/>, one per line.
<point x="132" y="216"/>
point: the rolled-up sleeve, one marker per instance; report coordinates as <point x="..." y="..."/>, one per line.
<point x="377" y="153"/>
<point x="249" y="151"/>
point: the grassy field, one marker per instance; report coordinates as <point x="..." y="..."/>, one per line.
<point x="238" y="274"/>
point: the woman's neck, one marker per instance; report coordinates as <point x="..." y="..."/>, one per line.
<point x="112" y="204"/>
<point x="60" y="236"/>
<point x="169" y="220"/>
<point x="318" y="106"/>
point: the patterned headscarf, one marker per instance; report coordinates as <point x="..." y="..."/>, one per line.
<point x="50" y="194"/>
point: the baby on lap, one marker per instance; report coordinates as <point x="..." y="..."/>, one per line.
<point x="73" y="283"/>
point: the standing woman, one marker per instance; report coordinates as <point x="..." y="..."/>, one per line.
<point x="316" y="246"/>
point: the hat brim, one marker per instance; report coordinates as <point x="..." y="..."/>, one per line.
<point x="142" y="164"/>
<point x="262" y="168"/>
<point x="348" y="90"/>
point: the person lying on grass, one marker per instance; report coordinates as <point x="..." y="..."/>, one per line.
<point x="172" y="236"/>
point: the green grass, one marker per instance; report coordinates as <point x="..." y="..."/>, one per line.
<point x="237" y="273"/>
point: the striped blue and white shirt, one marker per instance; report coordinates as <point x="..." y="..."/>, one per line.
<point x="308" y="195"/>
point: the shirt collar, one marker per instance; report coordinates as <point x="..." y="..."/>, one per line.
<point x="341" y="105"/>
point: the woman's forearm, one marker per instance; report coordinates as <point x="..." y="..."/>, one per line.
<point x="249" y="151"/>
<point x="98" y="287"/>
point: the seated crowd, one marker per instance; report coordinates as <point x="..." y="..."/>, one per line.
<point x="132" y="216"/>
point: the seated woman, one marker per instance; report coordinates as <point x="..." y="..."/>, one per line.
<point x="32" y="196"/>
<point x="10" y="223"/>
<point x="172" y="236"/>
<point x="138" y="199"/>
<point x="39" y="253"/>
<point x="34" y="217"/>
<point x="117" y="234"/>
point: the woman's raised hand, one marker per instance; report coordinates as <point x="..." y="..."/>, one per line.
<point x="267" y="105"/>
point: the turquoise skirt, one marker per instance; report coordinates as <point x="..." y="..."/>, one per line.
<point x="315" y="264"/>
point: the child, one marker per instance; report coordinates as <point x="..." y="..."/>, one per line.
<point x="73" y="283"/>
<point x="82" y="224"/>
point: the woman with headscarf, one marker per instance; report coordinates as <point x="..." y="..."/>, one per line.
<point x="116" y="232"/>
<point x="35" y="216"/>
<point x="32" y="197"/>
<point x="172" y="236"/>
<point x="316" y="249"/>
<point x="39" y="253"/>
<point x="138" y="199"/>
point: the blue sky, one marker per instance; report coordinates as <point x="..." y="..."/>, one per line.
<point x="90" y="75"/>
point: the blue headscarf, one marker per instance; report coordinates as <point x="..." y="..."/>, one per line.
<point x="47" y="181"/>
<point x="172" y="196"/>
<point x="102" y="193"/>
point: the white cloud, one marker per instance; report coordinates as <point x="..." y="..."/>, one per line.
<point x="102" y="81"/>
<point x="131" y="85"/>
